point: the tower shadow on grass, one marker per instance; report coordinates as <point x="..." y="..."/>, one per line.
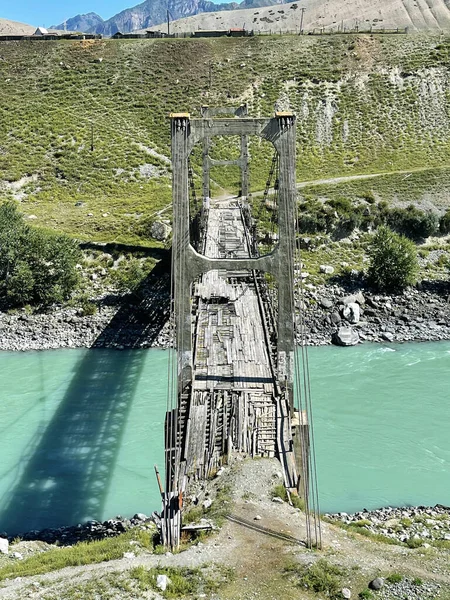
<point x="66" y="471"/>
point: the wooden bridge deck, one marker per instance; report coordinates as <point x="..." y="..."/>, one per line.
<point x="234" y="403"/>
<point x="230" y="349"/>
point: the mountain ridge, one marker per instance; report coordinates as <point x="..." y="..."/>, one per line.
<point x="8" y="27"/>
<point x="82" y="22"/>
<point x="153" y="12"/>
<point x="328" y="16"/>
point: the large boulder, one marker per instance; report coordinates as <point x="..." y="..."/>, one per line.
<point x="325" y="302"/>
<point x="359" y="298"/>
<point x="327" y="269"/>
<point x="351" y="313"/>
<point x="4" y="546"/>
<point x="376" y="584"/>
<point x="345" y="336"/>
<point x="387" y="336"/>
<point x="160" y="231"/>
<point x="335" y="318"/>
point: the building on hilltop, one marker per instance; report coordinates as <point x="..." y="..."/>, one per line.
<point x="239" y="32"/>
<point x="41" y="31"/>
<point x="156" y="34"/>
<point x="128" y="36"/>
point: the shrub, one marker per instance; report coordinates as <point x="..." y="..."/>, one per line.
<point x="145" y="227"/>
<point x="320" y="577"/>
<point x="343" y="206"/>
<point x="412" y="222"/>
<point x="88" y="308"/>
<point x="362" y="523"/>
<point x="394" y="578"/>
<point x="414" y="543"/>
<point x="129" y="275"/>
<point x="369" y="197"/>
<point x="365" y="594"/>
<point x="281" y="492"/>
<point x="444" y="222"/>
<point x="312" y="217"/>
<point x="36" y="267"/>
<point x="393" y="261"/>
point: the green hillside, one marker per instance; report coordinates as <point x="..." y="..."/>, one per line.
<point x="365" y="104"/>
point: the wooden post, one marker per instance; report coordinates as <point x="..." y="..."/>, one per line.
<point x="158" y="478"/>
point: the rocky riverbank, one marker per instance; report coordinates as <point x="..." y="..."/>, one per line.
<point x="68" y="328"/>
<point x="419" y="314"/>
<point x="414" y="526"/>
<point x="416" y="315"/>
<point x="86" y="532"/>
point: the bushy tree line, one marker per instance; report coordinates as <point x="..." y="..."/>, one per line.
<point x="342" y="216"/>
<point x="36" y="267"/>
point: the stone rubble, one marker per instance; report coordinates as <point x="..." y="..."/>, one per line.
<point x="414" y="526"/>
<point x="89" y="531"/>
<point x="410" y="590"/>
<point x="415" y="315"/>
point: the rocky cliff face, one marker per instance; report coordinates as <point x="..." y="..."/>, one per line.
<point x="152" y="12"/>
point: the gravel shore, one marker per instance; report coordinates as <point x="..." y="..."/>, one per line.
<point x="415" y="525"/>
<point x="416" y="315"/>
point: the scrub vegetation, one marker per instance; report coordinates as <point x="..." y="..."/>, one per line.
<point x="393" y="265"/>
<point x="83" y="553"/>
<point x="85" y="140"/>
<point x="319" y="577"/>
<point x="36" y="267"/>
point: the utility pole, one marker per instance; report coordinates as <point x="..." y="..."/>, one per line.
<point x="168" y="23"/>
<point x="210" y="75"/>
<point x="301" y="19"/>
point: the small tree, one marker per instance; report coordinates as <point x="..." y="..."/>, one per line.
<point x="444" y="223"/>
<point x="393" y="264"/>
<point x="36" y="267"/>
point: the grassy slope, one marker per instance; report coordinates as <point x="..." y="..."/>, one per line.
<point x="364" y="104"/>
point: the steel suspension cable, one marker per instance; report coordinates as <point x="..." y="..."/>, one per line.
<point x="313" y="492"/>
<point x="303" y="437"/>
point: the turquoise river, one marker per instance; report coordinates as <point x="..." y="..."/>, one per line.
<point x="80" y="430"/>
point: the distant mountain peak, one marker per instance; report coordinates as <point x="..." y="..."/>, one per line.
<point x="84" y="23"/>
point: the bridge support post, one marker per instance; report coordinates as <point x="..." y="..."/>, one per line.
<point x="286" y="252"/>
<point x="181" y="243"/>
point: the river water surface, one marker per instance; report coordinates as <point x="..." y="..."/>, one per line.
<point x="81" y="430"/>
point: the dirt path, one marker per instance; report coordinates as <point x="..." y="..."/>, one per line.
<point x="345" y="179"/>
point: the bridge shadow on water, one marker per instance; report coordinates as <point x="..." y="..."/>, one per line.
<point x="66" y="471"/>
